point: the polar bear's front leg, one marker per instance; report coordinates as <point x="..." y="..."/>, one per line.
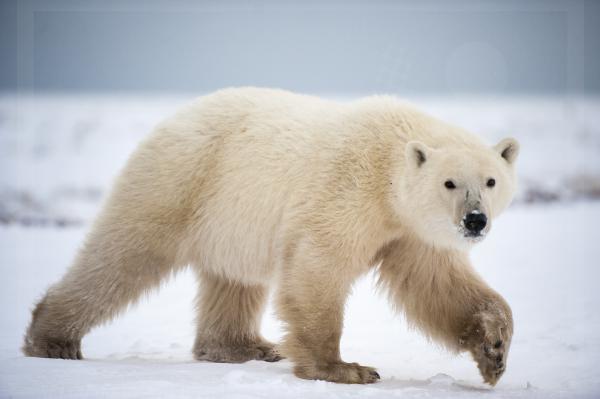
<point x="440" y="293"/>
<point x="488" y="337"/>
<point x="310" y="300"/>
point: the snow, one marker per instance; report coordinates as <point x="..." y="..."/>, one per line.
<point x="59" y="154"/>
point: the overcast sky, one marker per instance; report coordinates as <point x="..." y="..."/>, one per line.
<point x="335" y="47"/>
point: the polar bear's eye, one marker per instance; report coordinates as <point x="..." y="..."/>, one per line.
<point x="491" y="183"/>
<point x="449" y="184"/>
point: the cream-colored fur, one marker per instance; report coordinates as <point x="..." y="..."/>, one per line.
<point x="259" y="189"/>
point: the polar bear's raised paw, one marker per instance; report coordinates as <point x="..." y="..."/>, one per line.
<point x="488" y="339"/>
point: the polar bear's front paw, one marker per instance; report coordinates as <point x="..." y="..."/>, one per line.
<point x="341" y="372"/>
<point x="488" y="339"/>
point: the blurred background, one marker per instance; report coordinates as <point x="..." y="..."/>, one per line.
<point x="326" y="47"/>
<point x="82" y="82"/>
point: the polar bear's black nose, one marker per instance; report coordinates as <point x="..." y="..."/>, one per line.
<point x="475" y="222"/>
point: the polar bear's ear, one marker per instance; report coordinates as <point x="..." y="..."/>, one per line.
<point x="508" y="149"/>
<point x="417" y="153"/>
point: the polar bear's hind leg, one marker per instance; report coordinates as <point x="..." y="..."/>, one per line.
<point x="229" y="315"/>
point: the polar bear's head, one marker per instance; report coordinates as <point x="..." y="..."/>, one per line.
<point x="453" y="194"/>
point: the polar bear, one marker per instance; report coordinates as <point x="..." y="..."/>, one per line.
<point x="258" y="189"/>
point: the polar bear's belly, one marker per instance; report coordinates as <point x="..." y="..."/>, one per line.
<point x="239" y="240"/>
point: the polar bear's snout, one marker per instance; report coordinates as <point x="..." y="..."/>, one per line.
<point x="474" y="223"/>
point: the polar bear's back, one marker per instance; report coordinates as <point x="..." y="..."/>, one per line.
<point x="235" y="165"/>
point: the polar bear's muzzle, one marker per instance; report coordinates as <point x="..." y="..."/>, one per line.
<point x="474" y="225"/>
<point x="474" y="222"/>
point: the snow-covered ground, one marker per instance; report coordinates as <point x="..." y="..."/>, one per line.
<point x="59" y="154"/>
